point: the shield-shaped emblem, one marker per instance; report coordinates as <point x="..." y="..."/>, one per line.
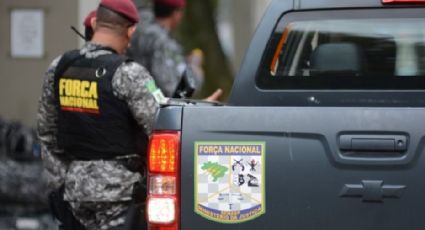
<point x="230" y="181"/>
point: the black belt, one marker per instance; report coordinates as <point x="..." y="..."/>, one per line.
<point x="132" y="162"/>
<point x="100" y="157"/>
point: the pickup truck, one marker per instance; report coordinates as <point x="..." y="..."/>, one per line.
<point x="324" y="128"/>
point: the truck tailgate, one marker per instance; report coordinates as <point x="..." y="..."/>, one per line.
<point x="323" y="168"/>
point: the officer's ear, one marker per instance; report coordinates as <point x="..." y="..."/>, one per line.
<point x="93" y="23"/>
<point x="131" y="31"/>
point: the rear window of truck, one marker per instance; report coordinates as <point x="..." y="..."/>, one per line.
<point x="347" y="49"/>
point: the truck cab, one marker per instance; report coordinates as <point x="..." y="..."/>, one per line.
<point x="323" y="129"/>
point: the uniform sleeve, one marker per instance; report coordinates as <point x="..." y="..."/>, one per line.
<point x="167" y="66"/>
<point x="53" y="159"/>
<point x="134" y="84"/>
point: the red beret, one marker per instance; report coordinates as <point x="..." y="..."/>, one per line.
<point x="123" y="7"/>
<point x="87" y="21"/>
<point x="172" y="3"/>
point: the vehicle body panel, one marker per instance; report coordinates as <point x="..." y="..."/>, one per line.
<point x="306" y="171"/>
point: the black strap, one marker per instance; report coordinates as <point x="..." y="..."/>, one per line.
<point x="66" y="61"/>
<point x="61" y="210"/>
<point x="72" y="56"/>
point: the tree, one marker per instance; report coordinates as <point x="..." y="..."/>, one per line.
<point x="199" y="30"/>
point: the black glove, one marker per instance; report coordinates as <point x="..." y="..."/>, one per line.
<point x="187" y="85"/>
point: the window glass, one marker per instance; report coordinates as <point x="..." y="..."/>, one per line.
<point x="355" y="53"/>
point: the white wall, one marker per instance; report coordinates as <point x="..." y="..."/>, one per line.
<point x="84" y="8"/>
<point x="237" y="21"/>
<point x="258" y="9"/>
<point x="21" y="78"/>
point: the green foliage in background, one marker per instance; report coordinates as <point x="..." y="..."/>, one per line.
<point x="199" y="30"/>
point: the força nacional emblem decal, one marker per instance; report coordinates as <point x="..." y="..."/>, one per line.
<point x="230" y="181"/>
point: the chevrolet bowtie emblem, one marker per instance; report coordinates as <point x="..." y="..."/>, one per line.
<point x="372" y="190"/>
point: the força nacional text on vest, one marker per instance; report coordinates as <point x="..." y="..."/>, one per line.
<point x="78" y="94"/>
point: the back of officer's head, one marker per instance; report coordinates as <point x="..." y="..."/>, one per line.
<point x="112" y="21"/>
<point x="170" y="9"/>
<point x="163" y="10"/>
<point x="115" y="24"/>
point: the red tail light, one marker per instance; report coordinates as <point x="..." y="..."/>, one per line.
<point x="163" y="152"/>
<point x="162" y="206"/>
<point x="402" y="1"/>
<point x="162" y="228"/>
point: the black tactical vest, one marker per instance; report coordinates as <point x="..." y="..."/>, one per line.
<point x="93" y="123"/>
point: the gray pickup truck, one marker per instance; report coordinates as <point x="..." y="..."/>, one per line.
<point x="325" y="127"/>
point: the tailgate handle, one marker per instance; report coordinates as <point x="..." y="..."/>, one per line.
<point x="375" y="143"/>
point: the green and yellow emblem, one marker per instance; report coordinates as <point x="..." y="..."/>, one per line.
<point x="230" y="181"/>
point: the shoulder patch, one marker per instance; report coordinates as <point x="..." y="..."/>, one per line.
<point x="156" y="92"/>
